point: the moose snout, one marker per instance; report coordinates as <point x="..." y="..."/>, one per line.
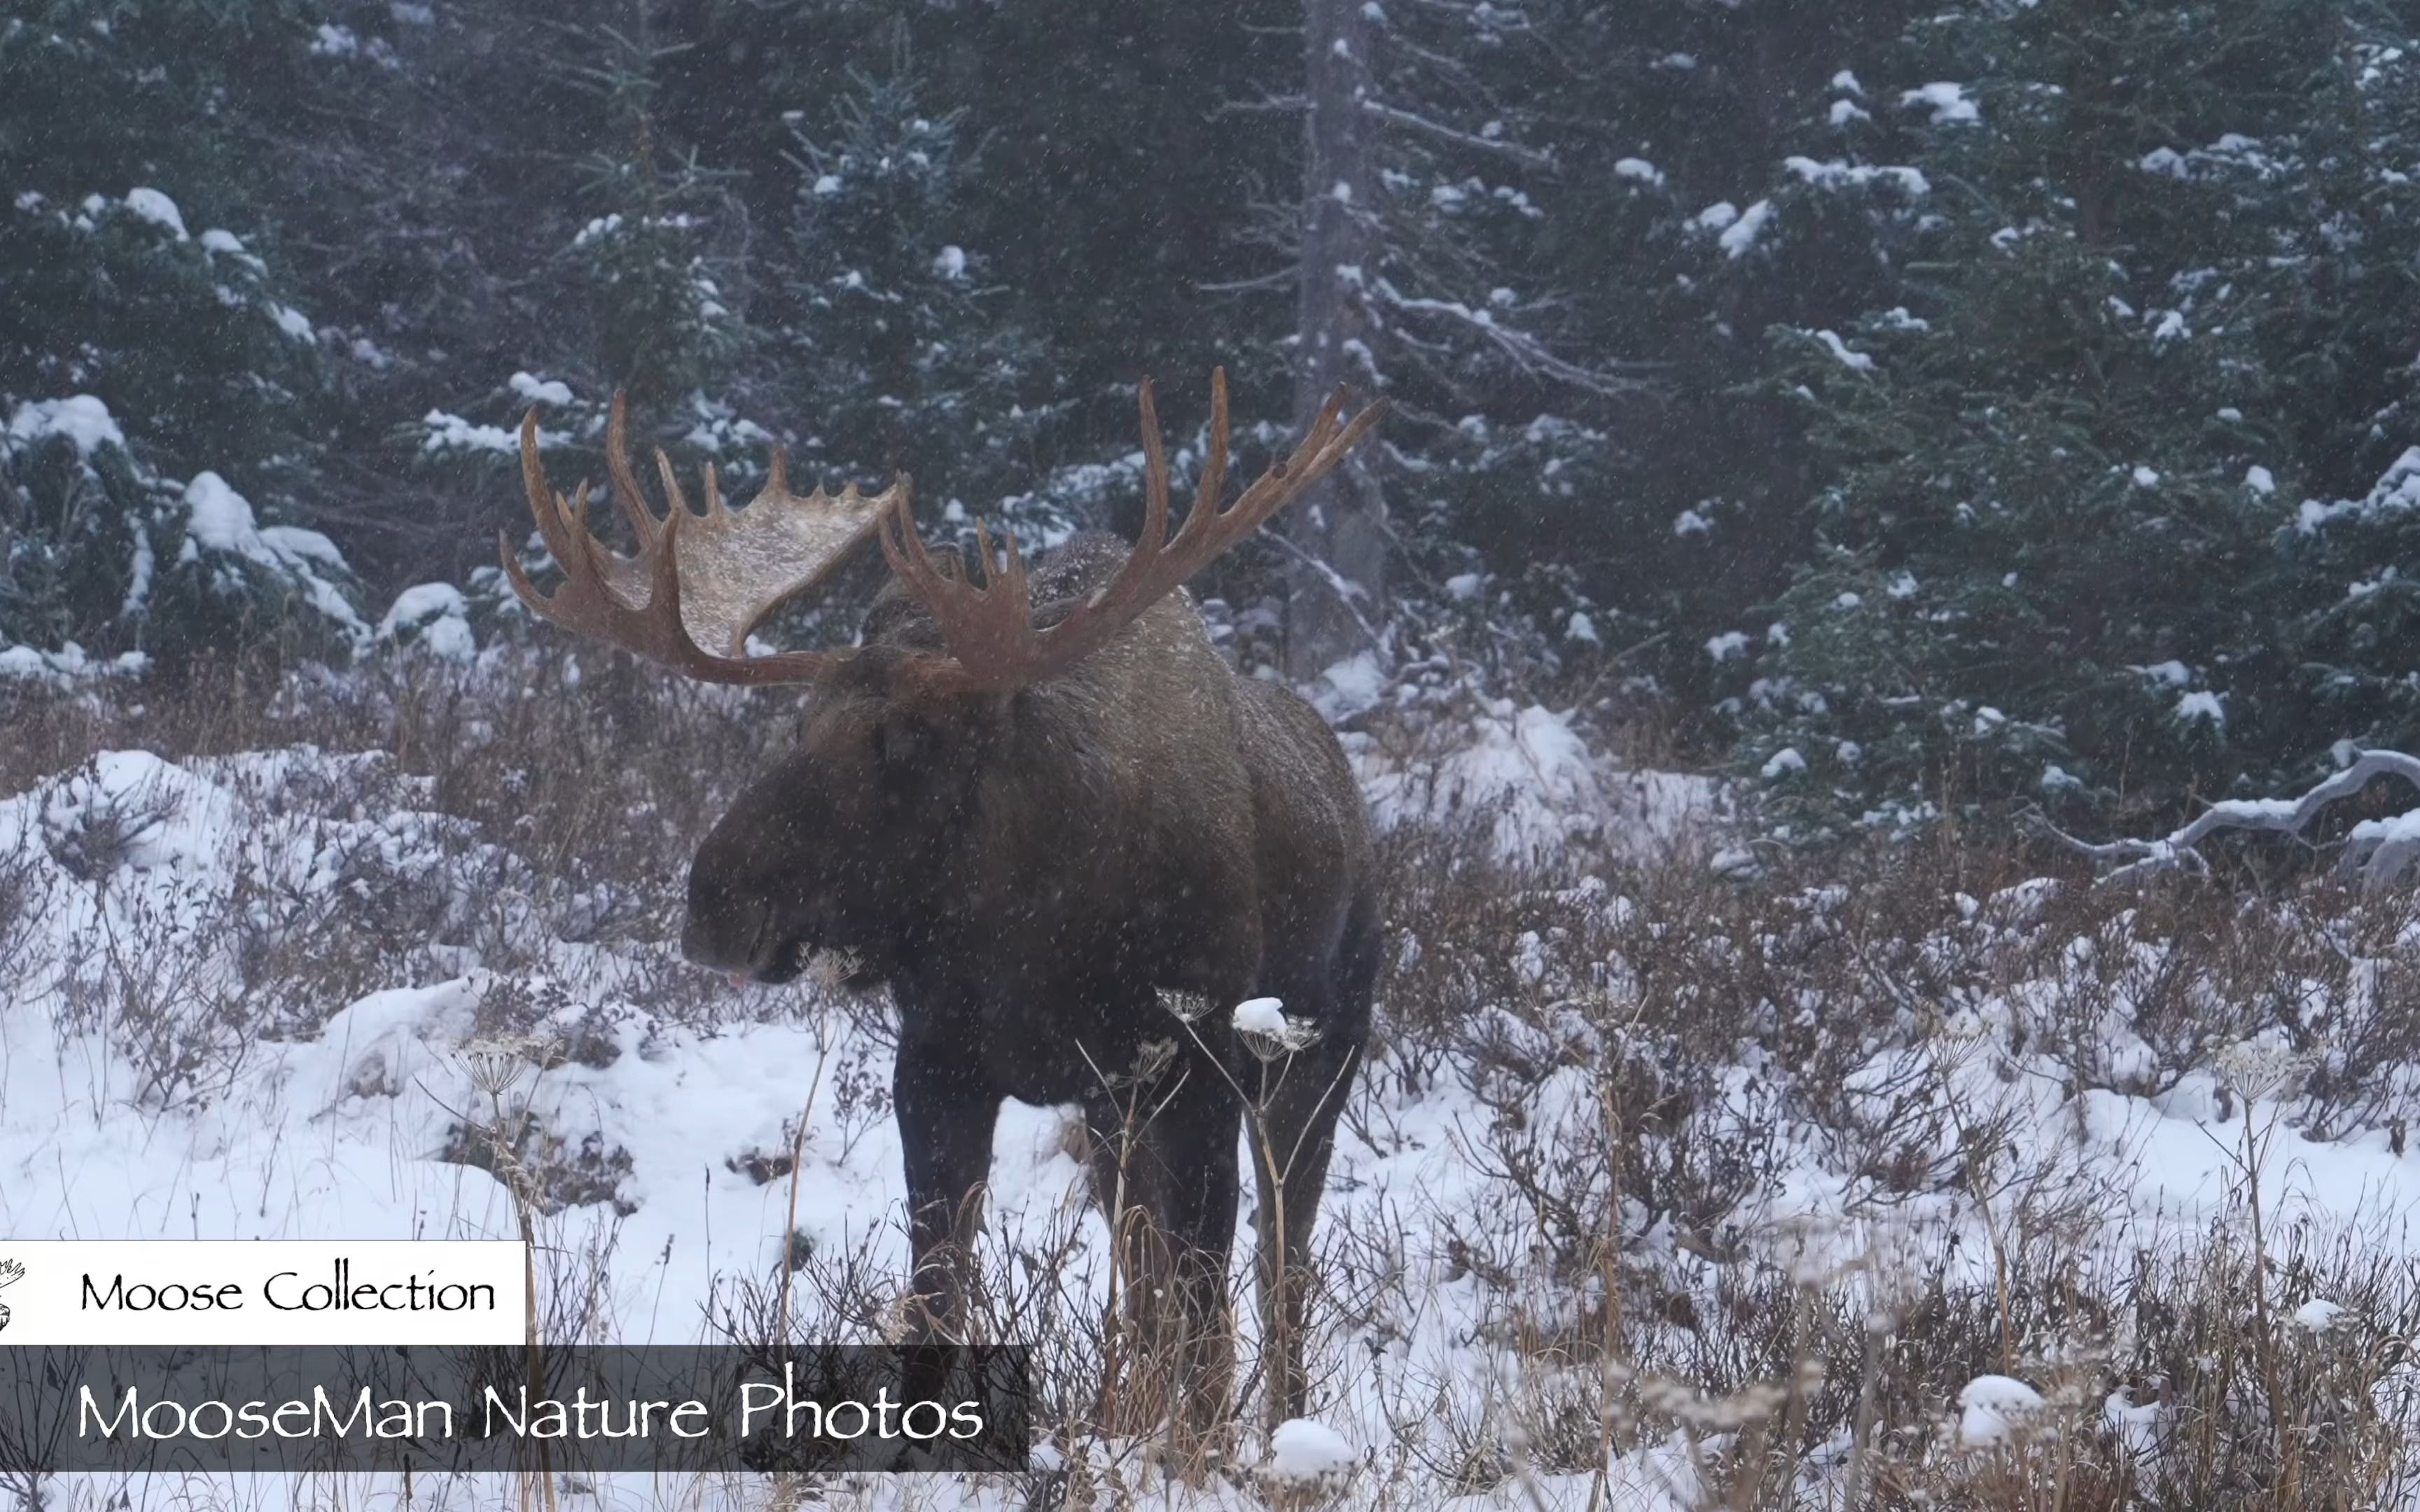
<point x="726" y="937"/>
<point x="728" y="928"/>
<point x="748" y="933"/>
<point x="731" y="924"/>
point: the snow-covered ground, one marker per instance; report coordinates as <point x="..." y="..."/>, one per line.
<point x="154" y="1082"/>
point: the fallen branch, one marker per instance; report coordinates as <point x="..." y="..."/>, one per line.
<point x="2379" y="851"/>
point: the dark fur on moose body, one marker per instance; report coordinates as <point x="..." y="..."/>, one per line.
<point x="1028" y="871"/>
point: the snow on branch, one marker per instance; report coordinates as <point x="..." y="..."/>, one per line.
<point x="1265" y="105"/>
<point x="2379" y="851"/>
<point x="1410" y="120"/>
<point x="1526" y="350"/>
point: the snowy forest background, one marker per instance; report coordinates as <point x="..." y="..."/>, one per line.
<point x="1902" y="406"/>
<point x="1859" y="475"/>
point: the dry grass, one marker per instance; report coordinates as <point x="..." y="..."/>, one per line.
<point x="1640" y="1056"/>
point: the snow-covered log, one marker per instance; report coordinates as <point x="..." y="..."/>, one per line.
<point x="2379" y="851"/>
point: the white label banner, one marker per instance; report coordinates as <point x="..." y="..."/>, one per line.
<point x="262" y="1292"/>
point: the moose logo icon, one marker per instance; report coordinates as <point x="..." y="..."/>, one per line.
<point x="11" y="1271"/>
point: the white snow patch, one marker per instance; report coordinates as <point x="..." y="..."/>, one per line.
<point x="1740" y="234"/>
<point x="217" y="515"/>
<point x="1860" y="362"/>
<point x="159" y="209"/>
<point x="440" y="618"/>
<point x="1262" y="1015"/>
<point x="452" y="433"/>
<point x="2201" y="706"/>
<point x="1304" y="1449"/>
<point x="2319" y="1315"/>
<point x="1351" y="686"/>
<point x="1527" y="776"/>
<point x="2397" y="490"/>
<point x="68" y="667"/>
<point x="218" y="519"/>
<point x="1994" y="1409"/>
<point x="1838" y="175"/>
<point x="1947" y="101"/>
<point x="80" y="418"/>
<point x="540" y="390"/>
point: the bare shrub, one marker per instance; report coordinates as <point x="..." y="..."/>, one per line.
<point x="1744" y="1176"/>
<point x="1645" y="1048"/>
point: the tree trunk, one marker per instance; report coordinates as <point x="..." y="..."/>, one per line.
<point x="1338" y="591"/>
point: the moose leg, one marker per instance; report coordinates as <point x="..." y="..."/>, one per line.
<point x="946" y="1113"/>
<point x="1164" y="1166"/>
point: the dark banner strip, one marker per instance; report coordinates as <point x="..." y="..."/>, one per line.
<point x="287" y="1409"/>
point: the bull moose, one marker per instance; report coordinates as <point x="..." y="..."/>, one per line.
<point x="1044" y="812"/>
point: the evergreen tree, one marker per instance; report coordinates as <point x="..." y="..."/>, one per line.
<point x="657" y="270"/>
<point x="136" y="349"/>
<point x="903" y="351"/>
<point x="100" y="554"/>
<point x="1430" y="181"/>
<point x="2051" y="563"/>
<point x="1718" y="170"/>
<point x="664" y="325"/>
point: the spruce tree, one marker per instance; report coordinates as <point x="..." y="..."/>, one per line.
<point x="159" y="391"/>
<point x="664" y="326"/>
<point x="902" y="350"/>
<point x="1718" y="170"/>
<point x="1433" y="181"/>
<point x="2052" y="563"/>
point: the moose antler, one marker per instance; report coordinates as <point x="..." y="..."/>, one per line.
<point x="700" y="584"/>
<point x="989" y="629"/>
